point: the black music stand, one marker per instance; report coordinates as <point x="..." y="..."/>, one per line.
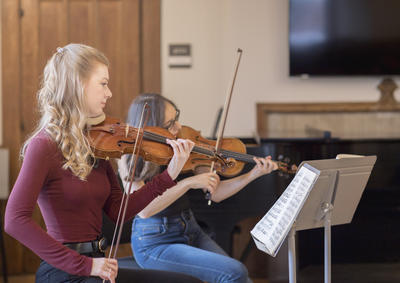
<point x="332" y="201"/>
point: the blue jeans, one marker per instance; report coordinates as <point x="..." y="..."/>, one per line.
<point x="48" y="274"/>
<point x="179" y="244"/>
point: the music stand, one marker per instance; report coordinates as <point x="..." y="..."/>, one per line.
<point x="340" y="185"/>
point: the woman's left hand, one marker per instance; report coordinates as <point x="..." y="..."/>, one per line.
<point x="182" y="149"/>
<point x="263" y="166"/>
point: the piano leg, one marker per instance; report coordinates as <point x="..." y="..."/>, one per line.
<point x="278" y="269"/>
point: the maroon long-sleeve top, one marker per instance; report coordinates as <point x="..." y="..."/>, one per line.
<point x="71" y="208"/>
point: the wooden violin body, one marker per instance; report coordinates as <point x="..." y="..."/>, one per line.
<point x="226" y="165"/>
<point x="112" y="139"/>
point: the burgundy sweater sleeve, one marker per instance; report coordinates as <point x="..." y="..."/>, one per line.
<point x="19" y="224"/>
<point x="139" y="199"/>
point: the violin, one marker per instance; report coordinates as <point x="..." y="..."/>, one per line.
<point x="113" y="138"/>
<point x="231" y="159"/>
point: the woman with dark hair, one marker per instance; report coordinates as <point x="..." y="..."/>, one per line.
<point x="165" y="235"/>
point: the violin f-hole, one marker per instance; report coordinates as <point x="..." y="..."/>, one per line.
<point x="119" y="143"/>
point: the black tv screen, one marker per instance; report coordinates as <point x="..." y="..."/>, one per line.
<point x="344" y="37"/>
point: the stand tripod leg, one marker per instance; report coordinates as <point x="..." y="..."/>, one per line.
<point x="292" y="255"/>
<point x="327" y="248"/>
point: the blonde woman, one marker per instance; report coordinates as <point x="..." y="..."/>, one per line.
<point x="71" y="187"/>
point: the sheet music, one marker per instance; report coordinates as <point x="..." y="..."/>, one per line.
<point x="271" y="230"/>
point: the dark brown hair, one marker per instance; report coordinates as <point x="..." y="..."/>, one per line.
<point x="146" y="170"/>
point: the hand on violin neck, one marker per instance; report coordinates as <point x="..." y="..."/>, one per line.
<point x="263" y="166"/>
<point x="182" y="149"/>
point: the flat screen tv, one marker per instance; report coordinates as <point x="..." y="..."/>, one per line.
<point x="344" y="37"/>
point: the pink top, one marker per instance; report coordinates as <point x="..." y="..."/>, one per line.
<point x="71" y="208"/>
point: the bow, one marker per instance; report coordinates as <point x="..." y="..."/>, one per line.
<point x="125" y="196"/>
<point x="224" y="115"/>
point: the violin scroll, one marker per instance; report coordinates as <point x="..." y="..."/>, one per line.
<point x="285" y="168"/>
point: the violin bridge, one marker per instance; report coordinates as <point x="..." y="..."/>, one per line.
<point x="126" y="130"/>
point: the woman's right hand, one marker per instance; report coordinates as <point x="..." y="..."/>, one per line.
<point x="206" y="181"/>
<point x="182" y="149"/>
<point x="105" y="268"/>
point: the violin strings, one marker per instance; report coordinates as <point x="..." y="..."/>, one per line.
<point x="158" y="138"/>
<point x="197" y="149"/>
<point x="239" y="156"/>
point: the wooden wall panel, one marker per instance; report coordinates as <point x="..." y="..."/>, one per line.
<point x="29" y="66"/>
<point x="52" y="29"/>
<point x="110" y="42"/>
<point x="11" y="109"/>
<point x="132" y="56"/>
<point x="150" y="45"/>
<point x="82" y="29"/>
<point x="122" y="49"/>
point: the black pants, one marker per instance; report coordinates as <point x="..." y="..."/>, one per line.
<point x="49" y="274"/>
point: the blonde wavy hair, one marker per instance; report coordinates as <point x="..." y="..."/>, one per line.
<point x="61" y="101"/>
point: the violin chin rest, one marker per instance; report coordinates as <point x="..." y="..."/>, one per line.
<point x="96" y="120"/>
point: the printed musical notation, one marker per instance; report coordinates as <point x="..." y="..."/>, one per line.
<point x="271" y="230"/>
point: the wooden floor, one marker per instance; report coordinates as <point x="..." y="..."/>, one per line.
<point x="348" y="273"/>
<point x="354" y="273"/>
<point x="20" y="279"/>
<point x="31" y="279"/>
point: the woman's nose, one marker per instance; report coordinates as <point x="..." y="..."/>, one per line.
<point x="178" y="126"/>
<point x="109" y="93"/>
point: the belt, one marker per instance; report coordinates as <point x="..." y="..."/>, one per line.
<point x="96" y="246"/>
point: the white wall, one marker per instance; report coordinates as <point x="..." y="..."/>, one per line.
<point x="197" y="91"/>
<point x="215" y="29"/>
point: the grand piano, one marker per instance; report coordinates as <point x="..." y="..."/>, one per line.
<point x="373" y="235"/>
